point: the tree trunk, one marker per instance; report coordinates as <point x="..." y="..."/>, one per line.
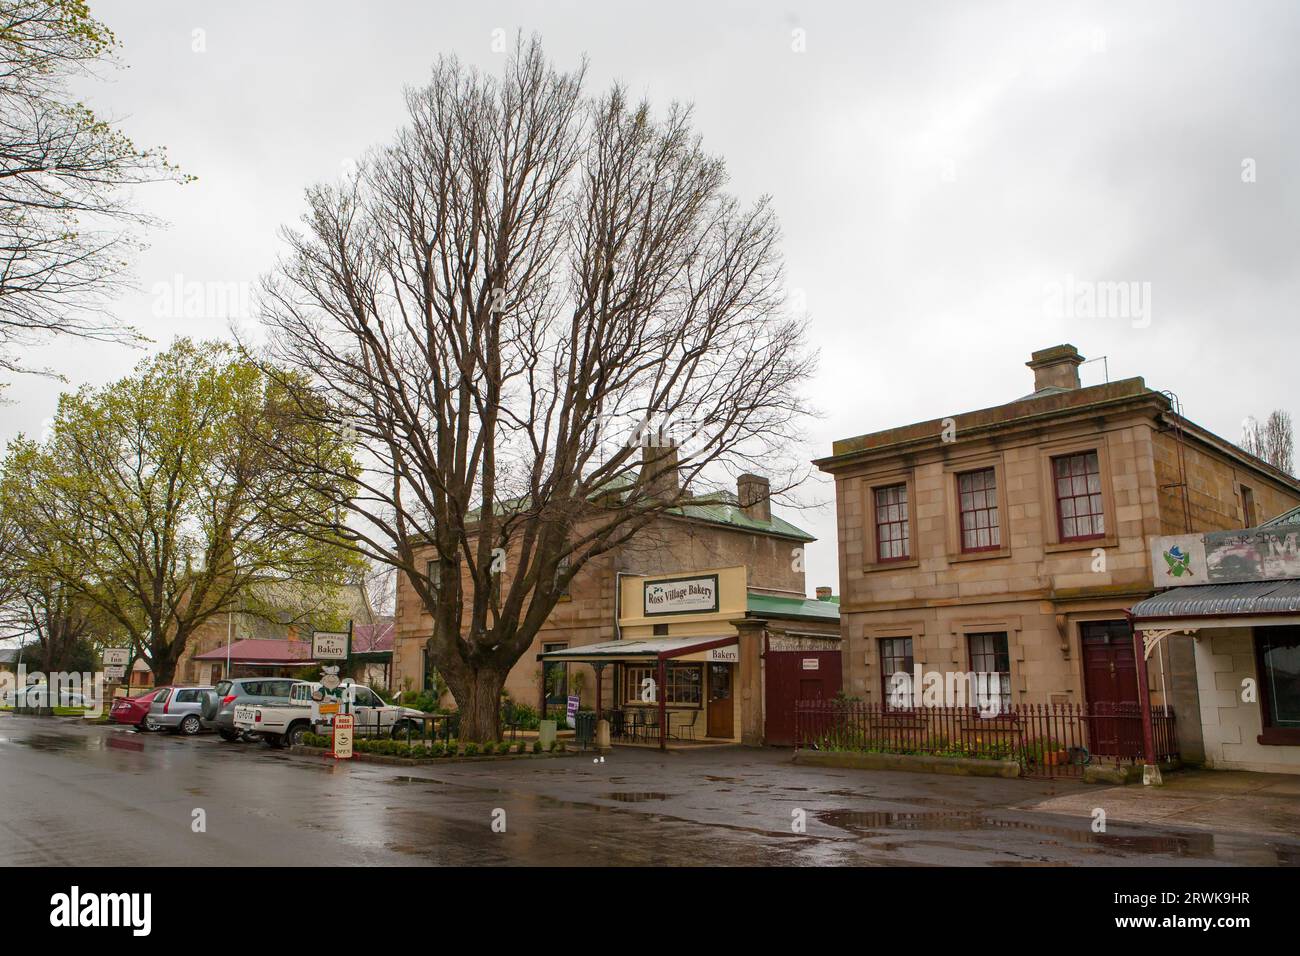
<point x="478" y="700"/>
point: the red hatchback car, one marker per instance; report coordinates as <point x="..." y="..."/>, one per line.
<point x="135" y="710"/>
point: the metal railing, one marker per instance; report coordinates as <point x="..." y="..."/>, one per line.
<point x="1045" y="739"/>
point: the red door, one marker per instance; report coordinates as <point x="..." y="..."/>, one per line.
<point x="1111" y="687"/>
<point x="790" y="676"/>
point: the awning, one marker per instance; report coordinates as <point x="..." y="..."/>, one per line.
<point x="641" y="649"/>
<point x="1220" y="605"/>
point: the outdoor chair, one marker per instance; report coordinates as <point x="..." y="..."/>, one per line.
<point x="684" y="726"/>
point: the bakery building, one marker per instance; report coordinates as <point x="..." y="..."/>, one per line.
<point x="713" y="590"/>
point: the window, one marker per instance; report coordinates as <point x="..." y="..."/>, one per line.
<point x="892" y="539"/>
<point x="685" y="684"/>
<point x="1278" y="652"/>
<point x="1248" y="506"/>
<point x="977" y="505"/>
<point x="895" y="658"/>
<point x="1078" y="496"/>
<point x="991" y="663"/>
<point x="555" y="676"/>
<point x="433" y="571"/>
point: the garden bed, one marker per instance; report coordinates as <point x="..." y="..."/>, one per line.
<point x="401" y="753"/>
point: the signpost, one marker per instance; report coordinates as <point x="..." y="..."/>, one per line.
<point x="116" y="660"/>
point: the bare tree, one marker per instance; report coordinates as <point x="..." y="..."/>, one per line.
<point x="546" y="323"/>
<point x="1273" y="442"/>
<point x="65" y="218"/>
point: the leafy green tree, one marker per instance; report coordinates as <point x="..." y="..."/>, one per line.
<point x="163" y="502"/>
<point x="65" y="216"/>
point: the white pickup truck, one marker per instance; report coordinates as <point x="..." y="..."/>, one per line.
<point x="281" y="724"/>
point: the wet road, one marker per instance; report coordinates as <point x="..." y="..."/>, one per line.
<point x="89" y="795"/>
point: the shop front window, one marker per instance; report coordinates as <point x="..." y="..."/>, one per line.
<point x="685" y="684"/>
<point x="1279" y="670"/>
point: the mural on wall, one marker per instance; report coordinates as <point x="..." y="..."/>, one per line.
<point x="1226" y="557"/>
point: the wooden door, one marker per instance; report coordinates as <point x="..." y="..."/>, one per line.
<point x="1111" y="687"/>
<point x="721" y="717"/>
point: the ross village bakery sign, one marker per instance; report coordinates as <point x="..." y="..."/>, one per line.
<point x="695" y="595"/>
<point x="1226" y="557"/>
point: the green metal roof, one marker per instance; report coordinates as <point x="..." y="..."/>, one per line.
<point x="770" y="605"/>
<point x="721" y="507"/>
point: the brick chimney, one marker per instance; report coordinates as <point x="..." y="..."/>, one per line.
<point x="754" y="494"/>
<point x="1057" y="367"/>
<point x="823" y="593"/>
<point x="659" y="470"/>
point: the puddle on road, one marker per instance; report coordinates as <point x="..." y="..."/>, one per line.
<point x="870" y="823"/>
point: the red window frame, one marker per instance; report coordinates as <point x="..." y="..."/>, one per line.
<point x="977" y="510"/>
<point x="897" y="651"/>
<point x="1076" y="481"/>
<point x="893" y="525"/>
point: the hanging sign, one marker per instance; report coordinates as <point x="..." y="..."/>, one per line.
<point x="329" y="646"/>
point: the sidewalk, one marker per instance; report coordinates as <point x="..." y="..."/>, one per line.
<point x="1220" y="799"/>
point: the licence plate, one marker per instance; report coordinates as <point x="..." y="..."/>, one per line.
<point x="245" y="716"/>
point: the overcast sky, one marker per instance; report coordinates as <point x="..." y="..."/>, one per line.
<point x="943" y="172"/>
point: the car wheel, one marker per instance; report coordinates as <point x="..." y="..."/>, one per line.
<point x="230" y="736"/>
<point x="139" y="728"/>
<point x="297" y="734"/>
<point x="399" y="730"/>
<point x="151" y="725"/>
<point x="190" y="726"/>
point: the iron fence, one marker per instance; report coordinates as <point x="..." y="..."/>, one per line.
<point x="1045" y="739"/>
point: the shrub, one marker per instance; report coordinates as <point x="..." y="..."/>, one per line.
<point x="537" y="746"/>
<point x="503" y="746"/>
<point x="471" y="749"/>
<point x="522" y="747"/>
<point x="435" y="750"/>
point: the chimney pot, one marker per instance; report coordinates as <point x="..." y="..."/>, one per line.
<point x="1056" y="367"/>
<point x="823" y="593"/>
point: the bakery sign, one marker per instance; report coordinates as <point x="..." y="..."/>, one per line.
<point x="1226" y="557"/>
<point x="695" y="595"/>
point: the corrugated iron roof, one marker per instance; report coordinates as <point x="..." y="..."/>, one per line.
<point x="1214" y="600"/>
<point x="1286" y="517"/>
<point x="771" y="605"/>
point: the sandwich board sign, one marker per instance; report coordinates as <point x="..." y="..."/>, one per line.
<point x="329" y="645"/>
<point x="571" y="712"/>
<point x="343" y="727"/>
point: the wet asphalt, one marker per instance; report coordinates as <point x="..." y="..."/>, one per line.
<point x="78" y="794"/>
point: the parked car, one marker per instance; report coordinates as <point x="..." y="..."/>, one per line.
<point x="178" y="709"/>
<point x="281" y="724"/>
<point x="218" y="706"/>
<point x="134" y="711"/>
